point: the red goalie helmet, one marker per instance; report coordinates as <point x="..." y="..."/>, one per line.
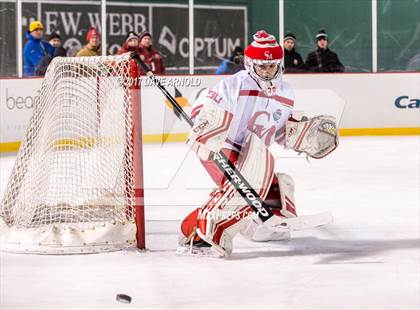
<point x="264" y="50"/>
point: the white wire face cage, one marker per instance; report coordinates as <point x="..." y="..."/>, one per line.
<point x="264" y="83"/>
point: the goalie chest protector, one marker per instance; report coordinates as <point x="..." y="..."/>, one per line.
<point x="252" y="109"/>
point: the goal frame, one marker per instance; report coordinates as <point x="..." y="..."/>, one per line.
<point x="58" y="237"/>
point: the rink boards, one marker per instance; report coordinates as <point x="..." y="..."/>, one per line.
<point x="365" y="103"/>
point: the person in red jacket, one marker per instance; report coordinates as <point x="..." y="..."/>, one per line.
<point x="149" y="55"/>
<point x="131" y="43"/>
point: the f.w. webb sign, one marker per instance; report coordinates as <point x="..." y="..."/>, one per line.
<point x="217" y="29"/>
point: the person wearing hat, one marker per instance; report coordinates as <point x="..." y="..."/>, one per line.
<point x="55" y="40"/>
<point x="323" y="59"/>
<point x="35" y="48"/>
<point x="293" y="62"/>
<point x="43" y="64"/>
<point x="131" y="43"/>
<point x="93" y="38"/>
<point x="149" y="55"/>
<point x="233" y="64"/>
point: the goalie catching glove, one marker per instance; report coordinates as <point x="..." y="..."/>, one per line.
<point x="317" y="136"/>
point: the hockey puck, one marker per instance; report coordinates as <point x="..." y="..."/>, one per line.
<point x="123" y="298"/>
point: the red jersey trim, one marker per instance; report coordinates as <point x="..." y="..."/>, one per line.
<point x="196" y="110"/>
<point x="257" y="93"/>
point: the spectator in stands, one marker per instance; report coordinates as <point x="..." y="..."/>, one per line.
<point x="35" y="48"/>
<point x="93" y="38"/>
<point x="42" y="66"/>
<point x="55" y="40"/>
<point x="233" y="64"/>
<point x="293" y="62"/>
<point x="149" y="55"/>
<point x="131" y="43"/>
<point x="323" y="59"/>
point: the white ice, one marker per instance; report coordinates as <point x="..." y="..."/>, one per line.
<point x="369" y="258"/>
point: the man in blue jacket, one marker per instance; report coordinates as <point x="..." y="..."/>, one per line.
<point x="35" y="48"/>
<point x="233" y="64"/>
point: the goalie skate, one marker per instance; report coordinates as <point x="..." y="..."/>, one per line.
<point x="191" y="248"/>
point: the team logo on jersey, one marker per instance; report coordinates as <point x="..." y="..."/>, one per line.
<point x="268" y="55"/>
<point x="277" y="115"/>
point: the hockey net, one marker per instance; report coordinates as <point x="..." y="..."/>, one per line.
<point x="76" y="186"/>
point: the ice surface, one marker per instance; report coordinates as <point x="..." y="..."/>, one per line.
<point x="369" y="258"/>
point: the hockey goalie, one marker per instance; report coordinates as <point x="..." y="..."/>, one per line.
<point x="241" y="117"/>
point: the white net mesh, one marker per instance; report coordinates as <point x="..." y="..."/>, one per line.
<point x="74" y="169"/>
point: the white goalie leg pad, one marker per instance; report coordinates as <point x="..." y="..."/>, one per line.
<point x="317" y="136"/>
<point x="210" y="130"/>
<point x="287" y="195"/>
<point x="260" y="232"/>
<point x="228" y="211"/>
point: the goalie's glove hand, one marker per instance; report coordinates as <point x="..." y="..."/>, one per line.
<point x="316" y="136"/>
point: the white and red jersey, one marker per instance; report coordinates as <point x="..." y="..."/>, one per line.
<point x="251" y="108"/>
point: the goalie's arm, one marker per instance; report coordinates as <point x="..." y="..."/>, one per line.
<point x="210" y="128"/>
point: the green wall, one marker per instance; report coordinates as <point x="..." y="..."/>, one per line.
<point x="262" y="14"/>
<point x="347" y="23"/>
<point x="398" y="35"/>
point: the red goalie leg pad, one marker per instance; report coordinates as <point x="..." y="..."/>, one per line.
<point x="273" y="196"/>
<point x="192" y="222"/>
<point x="274" y="202"/>
<point x="214" y="171"/>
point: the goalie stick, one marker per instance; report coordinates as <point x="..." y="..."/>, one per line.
<point x="309" y="221"/>
<point x="228" y="168"/>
